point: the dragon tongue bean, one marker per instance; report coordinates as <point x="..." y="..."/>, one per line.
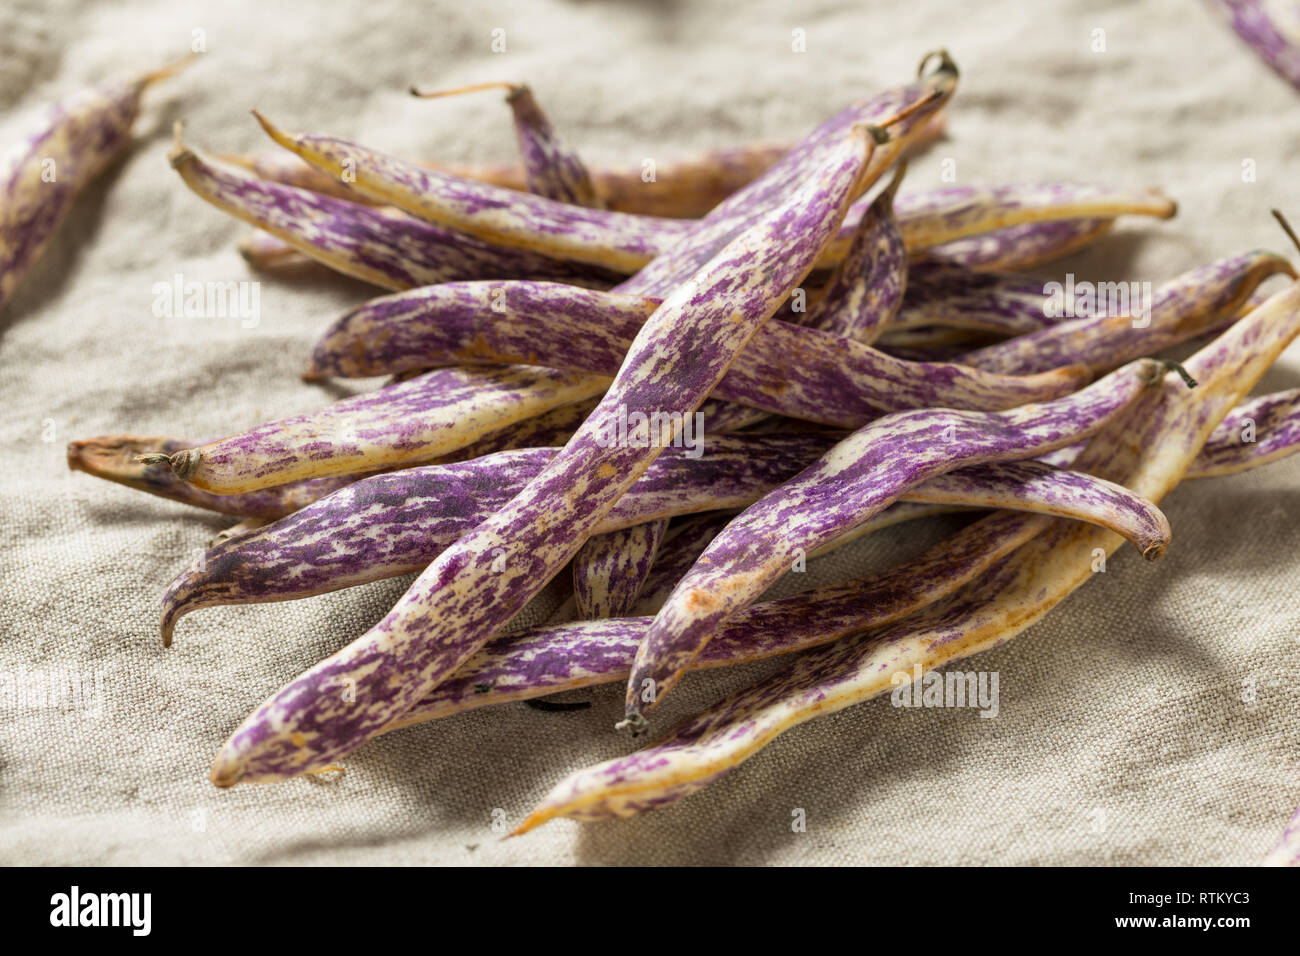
<point x="550" y="659"/>
<point x="801" y="372"/>
<point x="487" y="576"/>
<point x="1146" y="449"/>
<point x="853" y="481"/>
<point x="77" y="141"/>
<point x="551" y="168"/>
<point x="383" y="246"/>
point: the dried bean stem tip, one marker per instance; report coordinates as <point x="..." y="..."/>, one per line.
<point x="1182" y="372"/>
<point x="512" y="90"/>
<point x="183" y="464"/>
<point x="1286" y="227"/>
<point x="634" y="723"/>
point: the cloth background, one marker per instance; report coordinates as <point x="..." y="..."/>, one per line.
<point x="1123" y="736"/>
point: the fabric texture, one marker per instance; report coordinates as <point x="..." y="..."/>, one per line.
<point x="1151" y="719"/>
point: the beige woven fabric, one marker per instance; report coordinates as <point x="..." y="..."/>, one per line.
<point x="1122" y="735"/>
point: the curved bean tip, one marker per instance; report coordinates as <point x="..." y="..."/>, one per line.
<point x="1155" y="551"/>
<point x="225" y="772"/>
<point x="532" y="821"/>
<point x="273" y="131"/>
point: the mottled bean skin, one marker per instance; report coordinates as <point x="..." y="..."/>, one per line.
<point x="1272" y="30"/>
<point x="546" y="660"/>
<point x="856" y="479"/>
<point x="396" y="523"/>
<point x="800" y="372"/>
<point x="1019" y="247"/>
<point x="426" y="417"/>
<point x="942" y="216"/>
<point x="682" y="189"/>
<point x="867" y="289"/>
<point x="956" y="296"/>
<point x="551" y="659"/>
<point x="115" y="458"/>
<point x="924" y="99"/>
<point x="1147" y="450"/>
<point x="671" y="249"/>
<point x="1270" y="422"/>
<point x="399" y="522"/>
<point x="489" y="574"/>
<point x="384" y="246"/>
<point x="609" y="570"/>
<point x="551" y="168"/>
<point x="1180" y="309"/>
<point x="77" y="140"/>
<point x="685" y="539"/>
<point x="503" y="217"/>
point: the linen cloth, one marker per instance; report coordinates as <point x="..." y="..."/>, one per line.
<point x="1152" y="718"/>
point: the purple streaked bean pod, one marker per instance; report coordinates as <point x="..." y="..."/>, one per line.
<point x="478" y="584"/>
<point x="547" y="660"/>
<point x="1256" y="432"/>
<point x="867" y="289"/>
<point x="932" y="219"/>
<point x="493" y="214"/>
<point x="1019" y="247"/>
<point x="399" y="522"/>
<point x="788" y="369"/>
<point x="77" y="140"/>
<point x="551" y="168"/>
<point x="1179" y="309"/>
<point x="611" y="240"/>
<point x="857" y="478"/>
<point x="682" y="189"/>
<point x="683" y="542"/>
<point x="911" y="111"/>
<point x="116" y="458"/>
<point x="1147" y="450"/>
<point x="609" y="570"/>
<point x="426" y="417"/>
<point x="1272" y="30"/>
<point x="955" y="296"/>
<point x="384" y="246"/>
